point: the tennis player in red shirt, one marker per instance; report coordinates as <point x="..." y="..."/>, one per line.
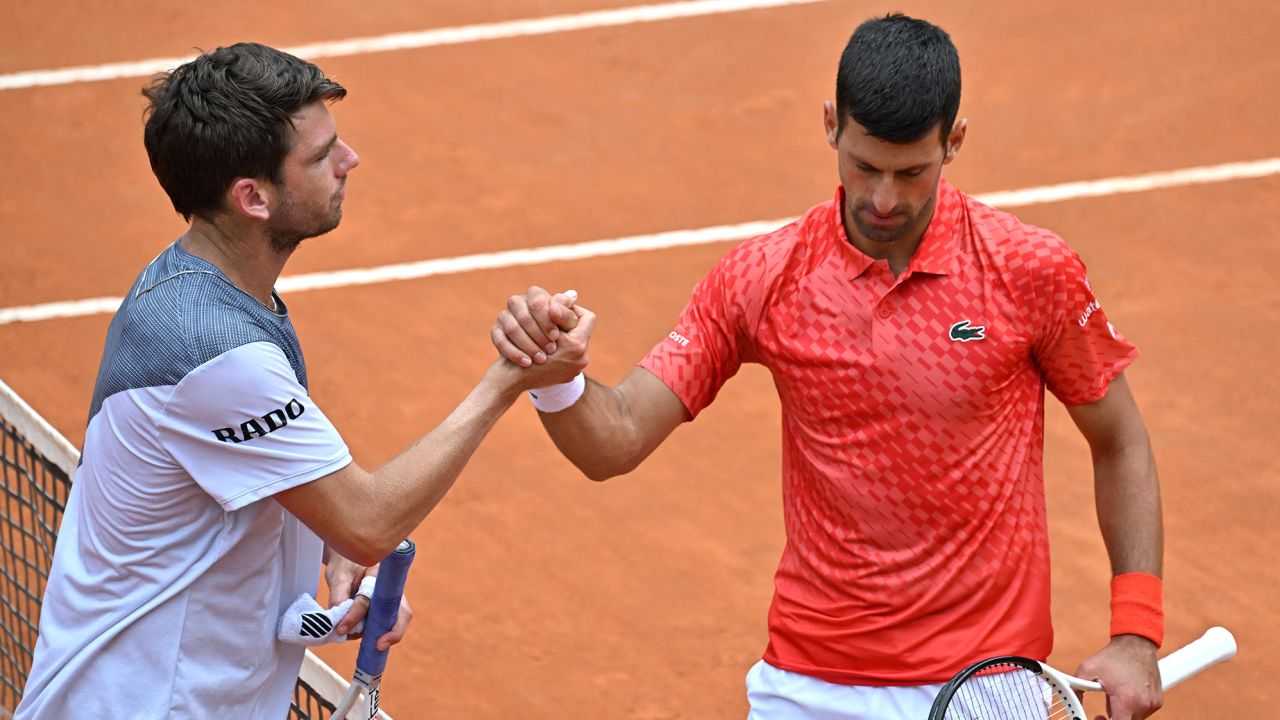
<point x="911" y="332"/>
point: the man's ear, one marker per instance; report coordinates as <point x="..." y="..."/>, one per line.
<point x="955" y="139"/>
<point x="831" y="123"/>
<point x="251" y="198"/>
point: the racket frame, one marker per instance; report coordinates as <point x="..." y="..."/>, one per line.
<point x="1062" y="686"/>
<point x="1216" y="645"/>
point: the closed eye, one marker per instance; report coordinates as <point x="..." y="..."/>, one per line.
<point x="328" y="147"/>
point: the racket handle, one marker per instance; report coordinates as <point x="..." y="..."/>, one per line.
<point x="384" y="608"/>
<point x="1215" y="646"/>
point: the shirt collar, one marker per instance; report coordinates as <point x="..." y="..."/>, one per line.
<point x="938" y="249"/>
<point x="940" y="245"/>
<point x="858" y="260"/>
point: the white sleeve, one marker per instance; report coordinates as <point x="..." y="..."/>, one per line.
<point x="244" y="428"/>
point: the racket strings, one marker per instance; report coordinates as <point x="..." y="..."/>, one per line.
<point x="1007" y="692"/>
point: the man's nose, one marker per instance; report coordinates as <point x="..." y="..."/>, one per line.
<point x="884" y="198"/>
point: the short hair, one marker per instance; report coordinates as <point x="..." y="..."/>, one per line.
<point x="223" y="116"/>
<point x="899" y="77"/>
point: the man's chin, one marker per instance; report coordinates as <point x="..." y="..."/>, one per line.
<point x="880" y="234"/>
<point x="283" y="243"/>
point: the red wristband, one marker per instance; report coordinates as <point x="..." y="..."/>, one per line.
<point x="1137" y="607"/>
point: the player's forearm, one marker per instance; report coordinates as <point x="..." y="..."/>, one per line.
<point x="409" y="486"/>
<point x="363" y="515"/>
<point x="1126" y="488"/>
<point x="598" y="433"/>
<point x="1127" y="493"/>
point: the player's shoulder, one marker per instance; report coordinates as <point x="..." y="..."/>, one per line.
<point x="791" y="248"/>
<point x="182" y="312"/>
<point x="1013" y="245"/>
<point x="188" y="302"/>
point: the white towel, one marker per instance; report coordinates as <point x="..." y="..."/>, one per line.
<point x="306" y="623"/>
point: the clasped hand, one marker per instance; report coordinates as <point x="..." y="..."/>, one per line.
<point x="545" y="334"/>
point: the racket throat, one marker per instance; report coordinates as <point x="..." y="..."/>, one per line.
<point x="372" y="685"/>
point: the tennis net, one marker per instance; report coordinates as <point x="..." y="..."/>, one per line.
<point x="37" y="464"/>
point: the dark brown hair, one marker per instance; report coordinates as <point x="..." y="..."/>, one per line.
<point x="223" y="116"/>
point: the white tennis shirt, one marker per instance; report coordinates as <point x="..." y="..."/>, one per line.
<point x="173" y="563"/>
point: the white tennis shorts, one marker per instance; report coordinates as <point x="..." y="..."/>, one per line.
<point x="776" y="694"/>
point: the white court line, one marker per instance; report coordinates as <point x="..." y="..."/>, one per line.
<point x="412" y="40"/>
<point x="659" y="241"/>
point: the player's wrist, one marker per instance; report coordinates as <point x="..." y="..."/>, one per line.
<point x="1137" y="606"/>
<point x="554" y="398"/>
<point x="1134" y="641"/>
<point x="504" y="381"/>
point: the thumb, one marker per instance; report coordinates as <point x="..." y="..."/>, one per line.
<point x="563" y="312"/>
<point x="586" y="321"/>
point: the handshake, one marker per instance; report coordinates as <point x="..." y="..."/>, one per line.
<point x="542" y="340"/>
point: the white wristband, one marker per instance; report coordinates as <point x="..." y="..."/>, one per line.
<point x="554" y="398"/>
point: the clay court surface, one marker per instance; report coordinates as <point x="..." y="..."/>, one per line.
<point x="539" y="594"/>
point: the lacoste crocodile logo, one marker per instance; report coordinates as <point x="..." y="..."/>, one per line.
<point x="962" y="332"/>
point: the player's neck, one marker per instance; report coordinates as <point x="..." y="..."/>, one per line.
<point x="897" y="252"/>
<point x="244" y="256"/>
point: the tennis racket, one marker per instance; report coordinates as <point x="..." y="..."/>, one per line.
<point x="384" y="610"/>
<point x="1018" y="688"/>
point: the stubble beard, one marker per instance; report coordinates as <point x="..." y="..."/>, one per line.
<point x="291" y="229"/>
<point x="910" y="227"/>
<point x="877" y="234"/>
